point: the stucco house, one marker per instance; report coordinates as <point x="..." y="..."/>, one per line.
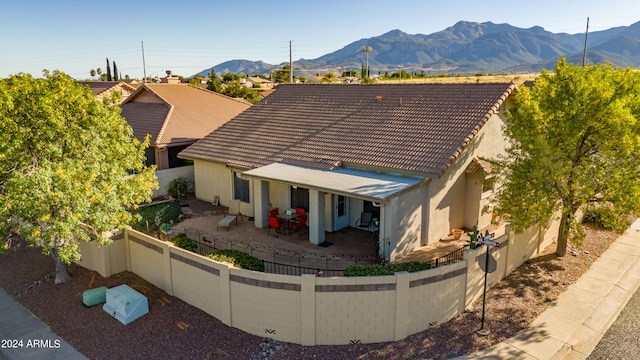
<point x="413" y="155"/>
<point x="176" y="115"/>
<point x="101" y="89"/>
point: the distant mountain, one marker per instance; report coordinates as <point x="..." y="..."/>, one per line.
<point x="240" y="67"/>
<point x="466" y="47"/>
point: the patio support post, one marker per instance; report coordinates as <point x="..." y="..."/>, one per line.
<point x="316" y="217"/>
<point x="261" y="203"/>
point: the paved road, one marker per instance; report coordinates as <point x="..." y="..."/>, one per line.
<point x="622" y="340"/>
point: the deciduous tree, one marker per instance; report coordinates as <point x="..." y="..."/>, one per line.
<point x="67" y="165"/>
<point x="575" y="139"/>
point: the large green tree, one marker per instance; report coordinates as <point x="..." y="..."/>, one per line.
<point x="214" y="83"/>
<point x="237" y="90"/>
<point x="575" y="139"/>
<point x="70" y="167"/>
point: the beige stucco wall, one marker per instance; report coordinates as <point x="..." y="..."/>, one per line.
<point x="213" y="179"/>
<point x="313" y="310"/>
<point x="167" y="175"/>
<point x="279" y="195"/>
<point x="406" y="220"/>
<point x="106" y="260"/>
<point x="448" y="193"/>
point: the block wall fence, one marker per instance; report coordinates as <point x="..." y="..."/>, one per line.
<point x="310" y="310"/>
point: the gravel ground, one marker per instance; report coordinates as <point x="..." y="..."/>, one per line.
<point x="174" y="329"/>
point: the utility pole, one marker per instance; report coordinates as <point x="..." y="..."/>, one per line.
<point x="290" y="65"/>
<point x="586" y="35"/>
<point x="367" y="50"/>
<point x="144" y="66"/>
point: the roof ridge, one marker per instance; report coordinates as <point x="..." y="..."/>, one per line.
<point x="476" y="130"/>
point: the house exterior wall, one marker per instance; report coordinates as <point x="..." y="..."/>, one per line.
<point x="147" y="97"/>
<point x="212" y="179"/>
<point x="312" y="310"/>
<point x="162" y="158"/>
<point x="449" y="192"/>
<point x="279" y="195"/>
<point x="406" y="218"/>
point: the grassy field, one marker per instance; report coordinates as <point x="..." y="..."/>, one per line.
<point x="516" y="78"/>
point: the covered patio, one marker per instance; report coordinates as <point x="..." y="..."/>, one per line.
<point x="336" y="196"/>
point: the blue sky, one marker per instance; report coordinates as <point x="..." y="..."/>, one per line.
<point x="188" y="36"/>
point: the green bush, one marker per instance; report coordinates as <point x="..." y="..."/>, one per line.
<point x="238" y="258"/>
<point x="156" y="215"/>
<point x="177" y="187"/>
<point x="386" y="269"/>
<point x="605" y="217"/>
<point x="182" y="241"/>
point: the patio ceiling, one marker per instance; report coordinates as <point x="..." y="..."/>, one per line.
<point x="355" y="183"/>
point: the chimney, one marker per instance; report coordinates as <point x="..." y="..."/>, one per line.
<point x="169" y="79"/>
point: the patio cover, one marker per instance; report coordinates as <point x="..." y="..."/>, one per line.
<point x="367" y="185"/>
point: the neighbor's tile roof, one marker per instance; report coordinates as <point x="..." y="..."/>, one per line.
<point x="411" y="127"/>
<point x="98" y="88"/>
<point x="183" y="113"/>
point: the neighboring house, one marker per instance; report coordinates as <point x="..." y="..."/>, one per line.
<point x="176" y="116"/>
<point x="412" y="155"/>
<point x="103" y="88"/>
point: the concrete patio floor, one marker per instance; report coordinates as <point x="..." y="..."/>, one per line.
<point x="346" y="244"/>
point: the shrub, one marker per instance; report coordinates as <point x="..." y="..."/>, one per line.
<point x="155" y="215"/>
<point x="182" y="241"/>
<point x="238" y="259"/>
<point x="177" y="187"/>
<point x="386" y="269"/>
<point x="605" y="217"/>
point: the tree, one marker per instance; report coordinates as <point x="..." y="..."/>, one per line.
<point x="214" y="83"/>
<point x="574" y="142"/>
<point x="99" y="72"/>
<point x="115" y="71"/>
<point x="328" y="77"/>
<point x="108" y="70"/>
<point x="67" y="165"/>
<point x="229" y="77"/>
<point x="236" y="90"/>
<point x="282" y="76"/>
<point x="93" y="74"/>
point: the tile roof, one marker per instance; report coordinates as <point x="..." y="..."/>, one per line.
<point x="411" y="127"/>
<point x="479" y="166"/>
<point x="99" y="88"/>
<point x="178" y="113"/>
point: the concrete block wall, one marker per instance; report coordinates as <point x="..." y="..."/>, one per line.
<point x="436" y="297"/>
<point x="266" y="304"/>
<point x="312" y="310"/>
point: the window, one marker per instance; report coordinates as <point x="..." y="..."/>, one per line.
<point x="300" y="198"/>
<point x="487" y="186"/>
<point x="240" y="188"/>
<point x="368" y="207"/>
<point x="174" y="161"/>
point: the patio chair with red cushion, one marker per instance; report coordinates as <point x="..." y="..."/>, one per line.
<point x="274" y="212"/>
<point x="300" y="211"/>
<point x="275" y="223"/>
<point x="301" y="223"/>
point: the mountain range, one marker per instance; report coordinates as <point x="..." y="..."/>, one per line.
<point x="465" y="48"/>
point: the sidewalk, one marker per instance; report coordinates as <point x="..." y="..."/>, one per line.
<point x="24" y="336"/>
<point x="572" y="327"/>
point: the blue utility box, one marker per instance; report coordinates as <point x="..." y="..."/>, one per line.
<point x="94" y="296"/>
<point x="125" y="304"/>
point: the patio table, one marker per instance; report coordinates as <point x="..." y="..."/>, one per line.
<point x="288" y="218"/>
